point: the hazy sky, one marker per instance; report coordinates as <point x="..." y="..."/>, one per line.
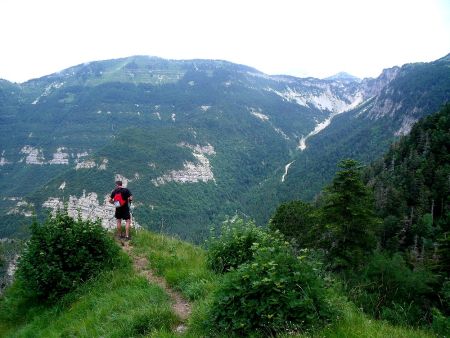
<point x="297" y="37"/>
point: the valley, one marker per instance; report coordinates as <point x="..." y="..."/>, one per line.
<point x="197" y="141"/>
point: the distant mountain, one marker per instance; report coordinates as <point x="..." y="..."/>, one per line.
<point x="196" y="141"/>
<point x="343" y="76"/>
<point x="393" y="102"/>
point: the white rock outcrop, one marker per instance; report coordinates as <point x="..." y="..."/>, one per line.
<point x="88" y="164"/>
<point x="257" y="113"/>
<point x="192" y="172"/>
<point x="125" y="181"/>
<point x="3" y="160"/>
<point x="407" y="124"/>
<point x="60" y="157"/>
<point x="22" y="207"/>
<point x="34" y="155"/>
<point x="89" y="208"/>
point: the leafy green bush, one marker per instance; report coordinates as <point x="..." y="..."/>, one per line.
<point x="275" y="292"/>
<point x="62" y="253"/>
<point x="234" y="245"/>
<point x="295" y="220"/>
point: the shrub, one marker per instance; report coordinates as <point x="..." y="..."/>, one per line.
<point x="296" y="220"/>
<point x="275" y="292"/>
<point x="234" y="245"/>
<point x="62" y="253"/>
<point x="389" y="289"/>
<point x="444" y="296"/>
<point x="441" y="323"/>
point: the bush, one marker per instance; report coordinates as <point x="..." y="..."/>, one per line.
<point x="275" y="292"/>
<point x="63" y="253"/>
<point x="389" y="289"/>
<point x="444" y="296"/>
<point x="441" y="324"/>
<point x="234" y="245"/>
<point x="296" y="220"/>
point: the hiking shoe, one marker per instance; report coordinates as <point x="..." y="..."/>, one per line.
<point x="127" y="238"/>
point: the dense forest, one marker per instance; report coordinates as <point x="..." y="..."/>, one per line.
<point x="384" y="229"/>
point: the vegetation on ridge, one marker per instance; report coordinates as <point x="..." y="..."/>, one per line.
<point x="118" y="303"/>
<point x="361" y="246"/>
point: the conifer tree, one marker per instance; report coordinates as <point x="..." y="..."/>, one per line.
<point x="349" y="218"/>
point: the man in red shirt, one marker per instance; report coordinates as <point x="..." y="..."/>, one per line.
<point x="121" y="197"/>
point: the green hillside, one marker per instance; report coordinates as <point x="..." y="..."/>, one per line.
<point x="364" y="133"/>
<point x="93" y="113"/>
<point x="197" y="141"/>
<point x="120" y="303"/>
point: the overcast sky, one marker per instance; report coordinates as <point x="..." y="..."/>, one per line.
<point x="296" y="37"/>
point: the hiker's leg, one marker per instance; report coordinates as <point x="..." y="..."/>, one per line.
<point x="119" y="226"/>
<point x="127" y="227"/>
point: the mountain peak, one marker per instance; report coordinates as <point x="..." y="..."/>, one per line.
<point x="343" y="76"/>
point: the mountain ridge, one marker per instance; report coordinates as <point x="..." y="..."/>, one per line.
<point x="160" y="114"/>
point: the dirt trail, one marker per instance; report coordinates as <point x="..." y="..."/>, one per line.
<point x="180" y="306"/>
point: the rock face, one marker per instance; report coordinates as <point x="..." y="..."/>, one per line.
<point x="406" y="126"/>
<point x="192" y="172"/>
<point x="374" y="87"/>
<point x="22" y="207"/>
<point x="60" y="157"/>
<point x="325" y="97"/>
<point x="34" y="155"/>
<point x="120" y="177"/>
<point x="89" y="208"/>
<point x="85" y="165"/>
<point x="12" y="267"/>
<point x="3" y="160"/>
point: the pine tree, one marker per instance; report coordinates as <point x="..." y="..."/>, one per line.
<point x="349" y="218"/>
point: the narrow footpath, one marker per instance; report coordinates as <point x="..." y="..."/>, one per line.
<point x="180" y="306"/>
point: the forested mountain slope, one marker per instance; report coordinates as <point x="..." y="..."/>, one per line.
<point x="401" y="96"/>
<point x="196" y="141"/>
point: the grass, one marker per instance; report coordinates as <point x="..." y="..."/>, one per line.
<point x="355" y="324"/>
<point x="183" y="265"/>
<point x="180" y="263"/>
<point x="120" y="303"/>
<point x="117" y="303"/>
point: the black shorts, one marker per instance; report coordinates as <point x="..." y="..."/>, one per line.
<point x="122" y="213"/>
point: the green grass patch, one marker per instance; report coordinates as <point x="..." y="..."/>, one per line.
<point x="117" y="303"/>
<point x="182" y="264"/>
<point x="355" y="324"/>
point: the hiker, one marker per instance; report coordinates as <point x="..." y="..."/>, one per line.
<point x="121" y="198"/>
